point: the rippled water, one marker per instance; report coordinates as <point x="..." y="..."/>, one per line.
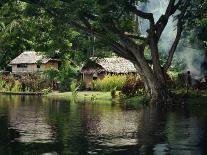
<point x="35" y="125"/>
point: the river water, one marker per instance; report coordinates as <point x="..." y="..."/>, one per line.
<point x="36" y="125"/>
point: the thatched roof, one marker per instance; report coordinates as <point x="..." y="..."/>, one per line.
<point x="111" y="65"/>
<point x="29" y="57"/>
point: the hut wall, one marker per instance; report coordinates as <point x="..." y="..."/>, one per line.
<point x="101" y="76"/>
<point x="31" y="68"/>
<point x="50" y="64"/>
<point x="87" y="79"/>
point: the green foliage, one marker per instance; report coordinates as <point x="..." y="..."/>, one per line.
<point x="8" y="83"/>
<point x="74" y="89"/>
<point x="197" y="21"/>
<point x="110" y="82"/>
<point x="25" y="26"/>
<point x="17" y="87"/>
<point x="52" y="73"/>
<point x="47" y="90"/>
<point x="67" y="74"/>
<point x="2" y="83"/>
<point x="113" y="93"/>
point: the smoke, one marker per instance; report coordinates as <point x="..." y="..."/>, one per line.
<point x="193" y="58"/>
<point x="191" y="54"/>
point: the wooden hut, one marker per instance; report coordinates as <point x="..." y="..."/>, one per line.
<point x="30" y="62"/>
<point x="97" y="68"/>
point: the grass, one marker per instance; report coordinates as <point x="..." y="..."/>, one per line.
<point x="99" y="97"/>
<point x="105" y="97"/>
<point x="83" y="96"/>
<point x="191" y="93"/>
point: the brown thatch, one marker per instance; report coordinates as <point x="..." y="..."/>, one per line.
<point x="30" y="57"/>
<point x="115" y="65"/>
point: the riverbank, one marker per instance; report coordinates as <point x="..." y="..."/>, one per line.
<point x="23" y="93"/>
<point x="98" y="97"/>
<point x="82" y="96"/>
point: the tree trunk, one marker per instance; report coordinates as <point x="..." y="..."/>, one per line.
<point x="158" y="90"/>
<point x="154" y="87"/>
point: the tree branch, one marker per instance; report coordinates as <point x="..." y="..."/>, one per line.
<point x="173" y="47"/>
<point x="178" y="36"/>
<point x="140" y="13"/>
<point x="163" y="20"/>
<point x="135" y="36"/>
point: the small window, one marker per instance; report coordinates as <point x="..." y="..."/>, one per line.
<point x="95" y="78"/>
<point x="38" y="66"/>
<point x="22" y="66"/>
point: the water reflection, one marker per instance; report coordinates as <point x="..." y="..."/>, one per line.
<point x="32" y="125"/>
<point x="109" y="128"/>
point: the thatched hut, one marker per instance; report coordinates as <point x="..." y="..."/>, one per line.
<point x="97" y="68"/>
<point x="30" y="62"/>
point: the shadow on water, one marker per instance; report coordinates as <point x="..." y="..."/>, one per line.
<point x="36" y="125"/>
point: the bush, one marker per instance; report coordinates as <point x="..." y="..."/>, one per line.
<point x="26" y="83"/>
<point x="74" y="89"/>
<point x="35" y="82"/>
<point x="2" y="83"/>
<point x="65" y="75"/>
<point x="110" y="82"/>
<point x="7" y="83"/>
<point x="47" y="91"/>
<point x="113" y="93"/>
<point x="52" y="74"/>
<point x="17" y="87"/>
<point x="133" y="86"/>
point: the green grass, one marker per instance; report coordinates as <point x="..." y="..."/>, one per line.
<point x="99" y="97"/>
<point x="136" y="101"/>
<point x="83" y="96"/>
<point x="105" y="97"/>
<point x="191" y="93"/>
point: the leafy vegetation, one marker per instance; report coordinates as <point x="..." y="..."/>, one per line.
<point x="110" y="82"/>
<point x="27" y="83"/>
<point x="133" y="86"/>
<point x="65" y="75"/>
<point x="9" y="84"/>
<point x="74" y="90"/>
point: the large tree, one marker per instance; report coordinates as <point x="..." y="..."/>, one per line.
<point x="114" y="21"/>
<point x="197" y="20"/>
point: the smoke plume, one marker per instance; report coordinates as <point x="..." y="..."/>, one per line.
<point x="191" y="54"/>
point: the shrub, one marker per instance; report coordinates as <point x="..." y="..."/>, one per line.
<point x="47" y="90"/>
<point x="110" y="82"/>
<point x="133" y="86"/>
<point x="74" y="89"/>
<point x="2" y="83"/>
<point x="52" y="73"/>
<point x="113" y="93"/>
<point x="35" y="82"/>
<point x="7" y="83"/>
<point x="64" y="76"/>
<point x="16" y="87"/>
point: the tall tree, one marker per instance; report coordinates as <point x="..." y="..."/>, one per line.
<point x="113" y="21"/>
<point x="197" y="20"/>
